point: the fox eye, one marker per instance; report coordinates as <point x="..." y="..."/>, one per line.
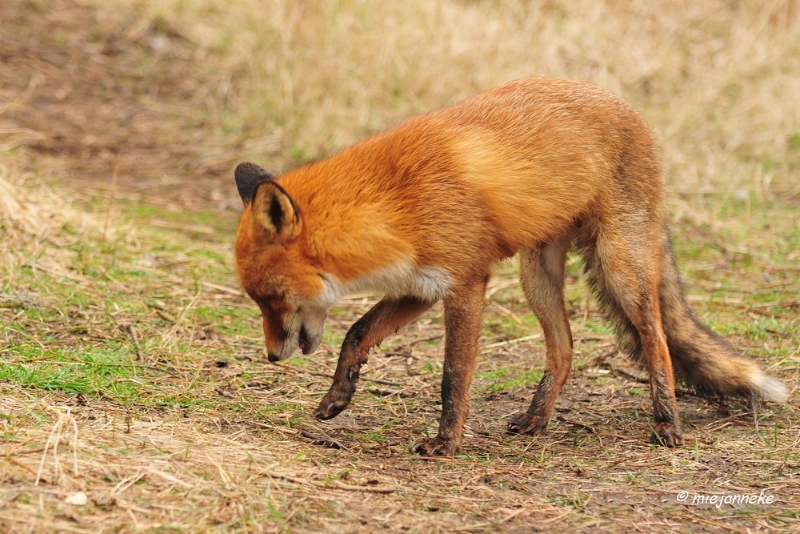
<point x="274" y="305"/>
<point x="278" y="304"/>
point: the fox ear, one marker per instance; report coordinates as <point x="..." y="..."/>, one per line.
<point x="248" y="176"/>
<point x="273" y="211"/>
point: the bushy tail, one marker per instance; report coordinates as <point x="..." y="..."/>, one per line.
<point x="700" y="357"/>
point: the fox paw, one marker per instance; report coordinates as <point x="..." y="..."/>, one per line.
<point x="527" y="424"/>
<point x="435" y="447"/>
<point x="332" y="404"/>
<point x="668" y="434"/>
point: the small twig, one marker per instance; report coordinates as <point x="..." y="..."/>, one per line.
<point x="196" y="228"/>
<point x="330" y="376"/>
<point x="50" y="270"/>
<point x="335" y="485"/>
<point x="506" y="311"/>
<point x="600" y="359"/>
<point x="126" y="483"/>
<point x="27" y="336"/>
<point x="384" y="382"/>
<point x="630" y="376"/>
<point x="135" y="338"/>
<point x="494" y="287"/>
<point x="324" y="440"/>
<point x="226" y="478"/>
<point x="400" y="349"/>
<point x="224" y="289"/>
<point x="111" y="200"/>
<point x="74" y="444"/>
<point x="168" y="477"/>
<point x="56" y="427"/>
<point x="554" y="519"/>
<point x="510" y="342"/>
<point x="27" y="468"/>
<point x="167" y="336"/>
<point x="579" y="425"/>
<point x="378" y="392"/>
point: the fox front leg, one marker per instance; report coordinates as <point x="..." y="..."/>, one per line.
<point x="462" y="316"/>
<point x="383" y="319"/>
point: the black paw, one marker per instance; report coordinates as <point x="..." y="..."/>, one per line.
<point x="523" y="423"/>
<point x="668" y="434"/>
<point x="435" y="447"/>
<point x="332" y="404"/>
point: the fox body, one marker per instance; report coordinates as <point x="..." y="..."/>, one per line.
<point x="423" y="210"/>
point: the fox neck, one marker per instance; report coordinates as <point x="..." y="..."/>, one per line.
<point x="400" y="279"/>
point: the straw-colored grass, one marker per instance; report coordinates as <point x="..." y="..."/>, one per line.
<point x="134" y="395"/>
<point x="36" y="223"/>
<point x="715" y="79"/>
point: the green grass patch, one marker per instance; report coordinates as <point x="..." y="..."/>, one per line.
<point x="107" y="371"/>
<point x="503" y="378"/>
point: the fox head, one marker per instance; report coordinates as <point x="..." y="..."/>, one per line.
<point x="275" y="267"/>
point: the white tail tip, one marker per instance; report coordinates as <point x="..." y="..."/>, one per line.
<point x="771" y="389"/>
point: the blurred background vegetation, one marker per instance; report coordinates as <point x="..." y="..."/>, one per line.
<point x="199" y="84"/>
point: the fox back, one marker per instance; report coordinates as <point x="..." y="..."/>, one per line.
<point x="442" y="196"/>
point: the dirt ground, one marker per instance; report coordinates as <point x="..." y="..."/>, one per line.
<point x="83" y="93"/>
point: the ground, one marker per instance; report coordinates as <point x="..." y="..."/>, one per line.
<point x="135" y="394"/>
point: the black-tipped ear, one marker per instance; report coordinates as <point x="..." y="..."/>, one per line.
<point x="274" y="212"/>
<point x="248" y="176"/>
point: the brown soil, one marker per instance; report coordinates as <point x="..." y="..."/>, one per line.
<point x="85" y="91"/>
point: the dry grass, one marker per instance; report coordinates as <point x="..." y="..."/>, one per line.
<point x="713" y="78"/>
<point x="36" y="223"/>
<point x="136" y="397"/>
<point x="195" y="86"/>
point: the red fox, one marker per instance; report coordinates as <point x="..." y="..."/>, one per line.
<point x="423" y="210"/>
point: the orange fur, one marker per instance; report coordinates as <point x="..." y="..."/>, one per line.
<point x="423" y="210"/>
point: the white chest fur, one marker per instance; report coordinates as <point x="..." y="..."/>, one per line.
<point x="396" y="280"/>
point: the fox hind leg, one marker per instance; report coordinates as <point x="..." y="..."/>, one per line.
<point x="542" y="278"/>
<point x="624" y="268"/>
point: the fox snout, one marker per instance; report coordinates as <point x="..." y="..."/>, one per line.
<point x="303" y="331"/>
